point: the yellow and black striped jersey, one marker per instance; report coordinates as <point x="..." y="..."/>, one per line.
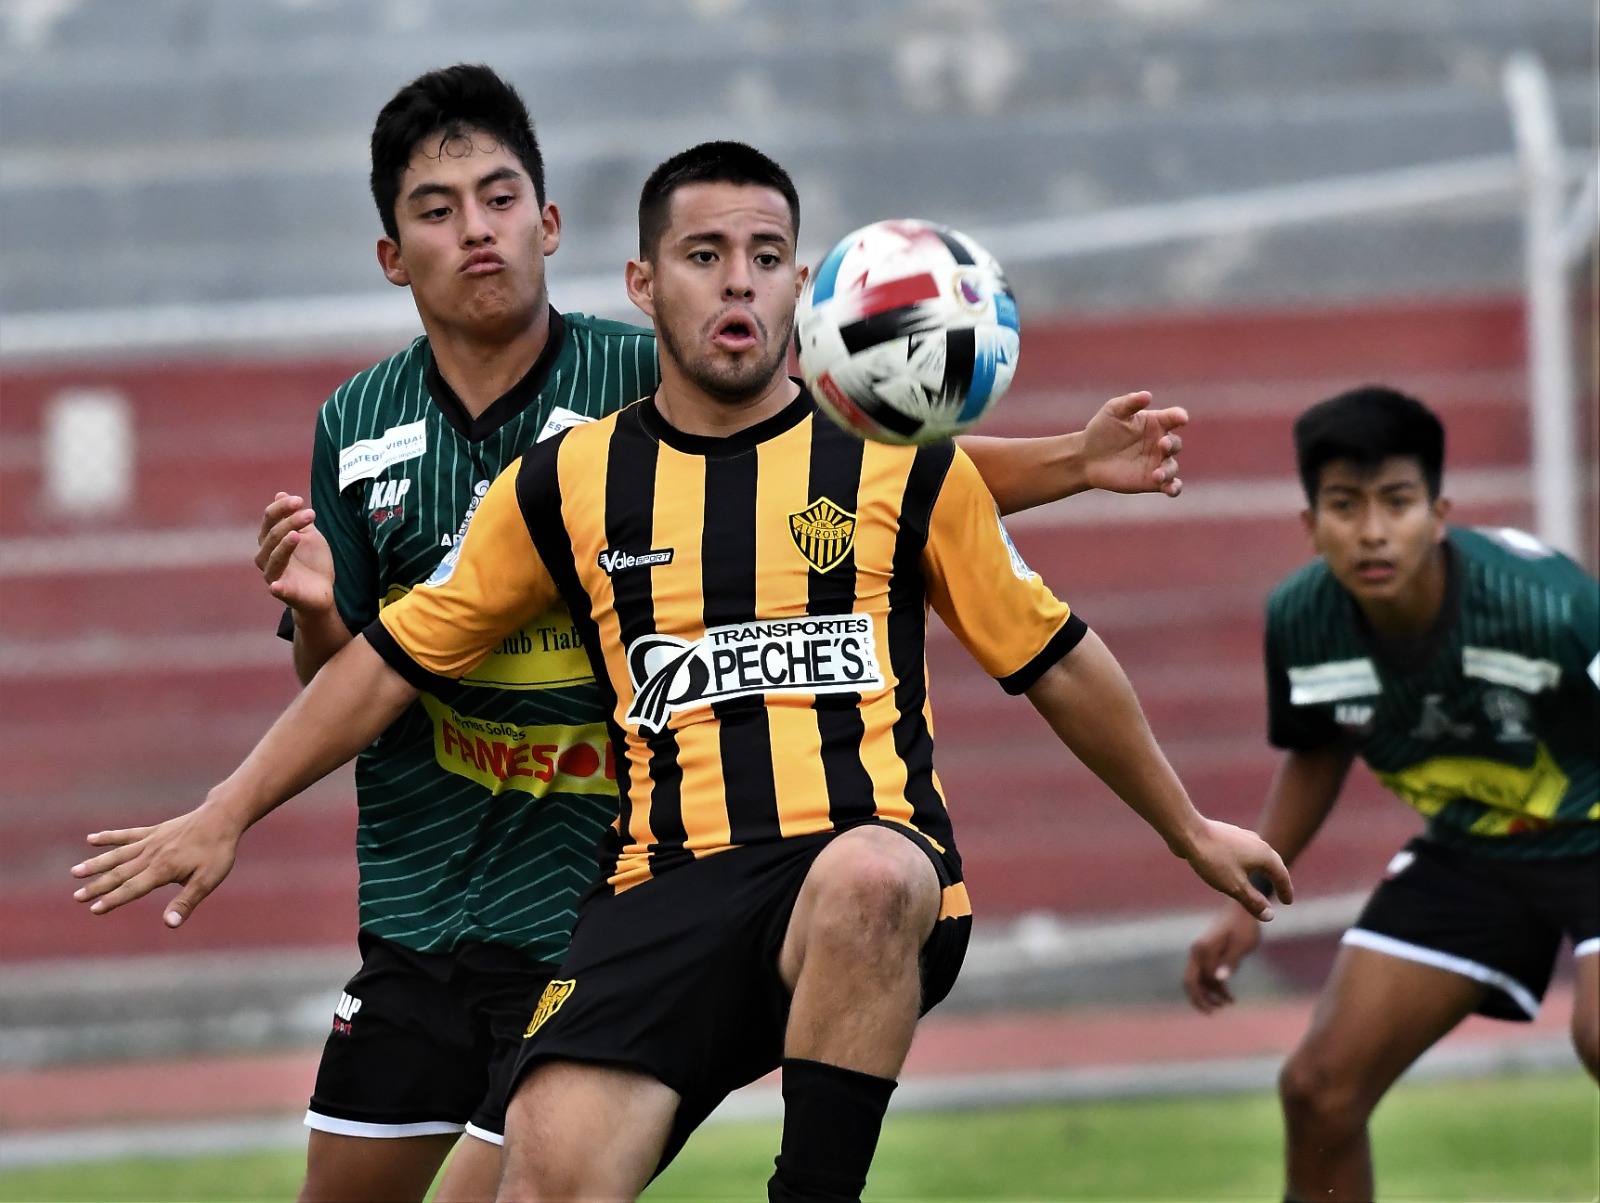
<point x="757" y="607"/>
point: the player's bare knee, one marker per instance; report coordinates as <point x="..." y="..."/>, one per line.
<point x="1316" y="1095"/>
<point x="876" y="890"/>
<point x="1586" y="1038"/>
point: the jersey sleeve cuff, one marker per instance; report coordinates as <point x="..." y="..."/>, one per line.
<point x="397" y="658"/>
<point x="1063" y="641"/>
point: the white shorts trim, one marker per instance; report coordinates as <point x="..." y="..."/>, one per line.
<point x="350" y="1127"/>
<point x="1588" y="948"/>
<point x="1515" y="990"/>
<point x="484" y="1134"/>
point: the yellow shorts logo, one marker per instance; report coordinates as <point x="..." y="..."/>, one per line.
<point x="550" y="1002"/>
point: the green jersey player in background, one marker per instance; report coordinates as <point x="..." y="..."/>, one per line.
<point x="1461" y="665"/>
<point x="480" y="811"/>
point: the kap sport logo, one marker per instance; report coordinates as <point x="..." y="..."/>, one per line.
<point x="831" y="654"/>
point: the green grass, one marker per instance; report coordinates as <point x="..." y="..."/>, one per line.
<point x="1513" y="1138"/>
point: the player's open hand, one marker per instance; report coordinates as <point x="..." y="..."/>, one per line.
<point x="1130" y="448"/>
<point x="1214" y="957"/>
<point x="293" y="557"/>
<point x="195" y="850"/>
<point x="1224" y="856"/>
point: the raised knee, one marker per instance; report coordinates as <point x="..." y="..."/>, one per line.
<point x="1586" y="1039"/>
<point x="1315" y="1094"/>
<point x="877" y="890"/>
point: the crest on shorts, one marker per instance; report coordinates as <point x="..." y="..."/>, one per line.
<point x="823" y="532"/>
<point x="556" y="993"/>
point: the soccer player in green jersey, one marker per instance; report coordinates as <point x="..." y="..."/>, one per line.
<point x="1464" y="667"/>
<point x="480" y="808"/>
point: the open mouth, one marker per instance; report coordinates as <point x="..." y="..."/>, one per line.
<point x="736" y="332"/>
<point x="1375" y="571"/>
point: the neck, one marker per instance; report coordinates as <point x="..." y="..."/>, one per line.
<point x="690" y="409"/>
<point x="482" y="366"/>
<point x="1414" y="611"/>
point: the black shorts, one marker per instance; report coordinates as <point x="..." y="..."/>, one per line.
<point x="1497" y="921"/>
<point x="679" y="978"/>
<point x="424" y="1043"/>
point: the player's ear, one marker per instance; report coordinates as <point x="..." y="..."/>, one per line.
<point x="640" y="279"/>
<point x="393" y="264"/>
<point x="550" y="218"/>
<point x="800" y="278"/>
<point x="1441" y="515"/>
<point x="1308" y="523"/>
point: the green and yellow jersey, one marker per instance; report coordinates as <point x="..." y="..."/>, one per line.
<point x="756" y="609"/>
<point x="480" y="809"/>
<point x="1487" y="723"/>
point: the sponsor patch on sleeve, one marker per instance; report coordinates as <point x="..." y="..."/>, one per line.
<point x="369" y="457"/>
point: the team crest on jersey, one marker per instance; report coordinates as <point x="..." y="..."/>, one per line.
<point x="813" y="655"/>
<point x="556" y="993"/>
<point x="823" y="532"/>
<point x="1508" y="710"/>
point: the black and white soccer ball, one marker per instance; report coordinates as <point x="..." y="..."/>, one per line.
<point x="907" y="332"/>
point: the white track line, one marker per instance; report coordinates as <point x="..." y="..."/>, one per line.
<point x="942" y="1093"/>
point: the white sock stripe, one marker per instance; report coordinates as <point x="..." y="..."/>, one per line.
<point x="1517" y="992"/>
<point x="1588" y="948"/>
<point x="350" y="1127"/>
<point x="494" y="1138"/>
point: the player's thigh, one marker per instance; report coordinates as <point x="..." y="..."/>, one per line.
<point x="1377" y="1014"/>
<point x="577" y="1128"/>
<point x="473" y="1174"/>
<point x="1586" y="1006"/>
<point x="358" y="1169"/>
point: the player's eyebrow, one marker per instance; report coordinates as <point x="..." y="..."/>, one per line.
<point x="434" y="188"/>
<point x="718" y="238"/>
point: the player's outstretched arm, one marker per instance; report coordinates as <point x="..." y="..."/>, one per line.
<point x="1302" y="793"/>
<point x="297" y="565"/>
<point x="340" y="712"/>
<point x="1126" y="448"/>
<point x="1087" y="700"/>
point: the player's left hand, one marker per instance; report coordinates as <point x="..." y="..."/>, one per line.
<point x="1130" y="448"/>
<point x="1224" y="856"/>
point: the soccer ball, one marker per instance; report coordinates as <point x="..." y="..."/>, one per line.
<point x="907" y="333"/>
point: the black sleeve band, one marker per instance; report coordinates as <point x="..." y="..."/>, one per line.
<point x="396" y="658"/>
<point x="1063" y="641"/>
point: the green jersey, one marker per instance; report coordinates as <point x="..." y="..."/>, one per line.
<point x="1486" y="723"/>
<point x="480" y="809"/>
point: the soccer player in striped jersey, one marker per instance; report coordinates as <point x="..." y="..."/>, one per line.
<point x="1464" y="667"/>
<point x="750" y="584"/>
<point x="480" y="809"/>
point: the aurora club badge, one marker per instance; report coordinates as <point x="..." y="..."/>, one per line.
<point x="823" y="532"/>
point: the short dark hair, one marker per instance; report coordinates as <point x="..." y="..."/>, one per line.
<point x="708" y="163"/>
<point x="1367" y="426"/>
<point x="448" y="103"/>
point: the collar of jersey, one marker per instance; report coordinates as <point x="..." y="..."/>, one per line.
<point x="1410" y="655"/>
<point x="714" y="447"/>
<point x="510" y="403"/>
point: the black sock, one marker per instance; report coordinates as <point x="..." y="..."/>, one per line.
<point x="831" y="1120"/>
